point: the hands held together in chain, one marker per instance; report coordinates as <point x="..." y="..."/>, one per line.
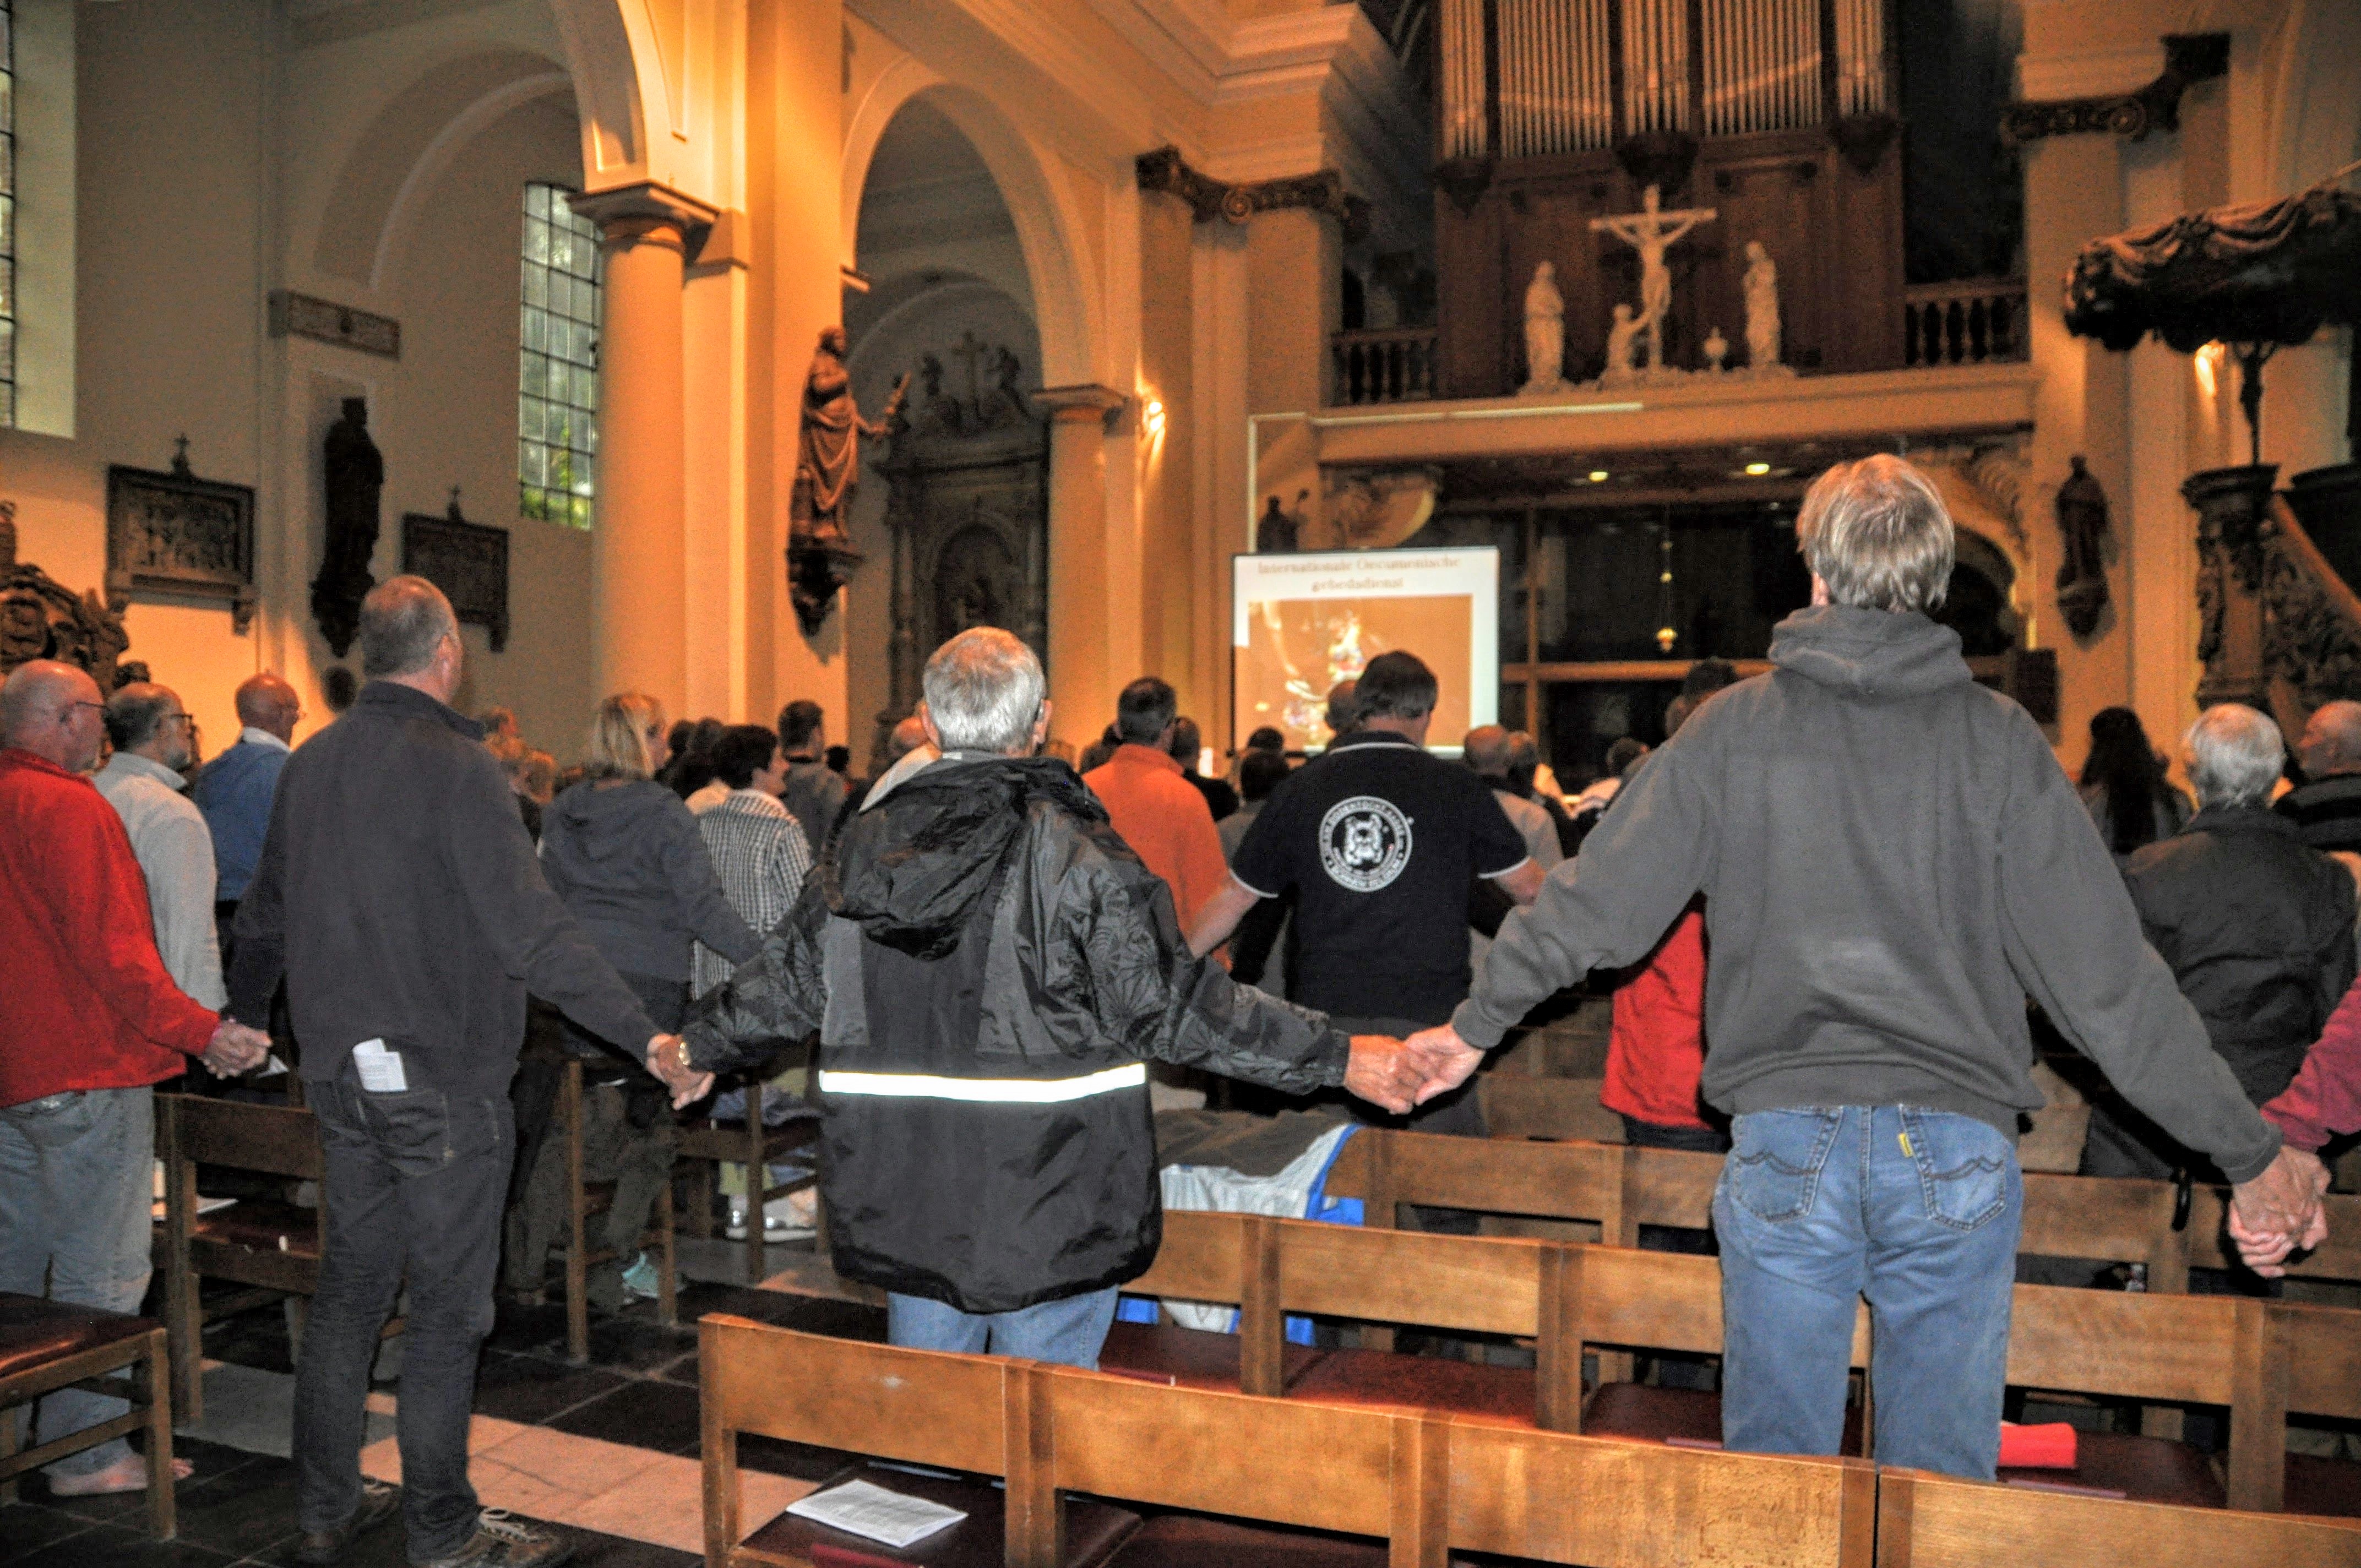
<point x="668" y="1059"/>
<point x="2280" y="1211"/>
<point x="1397" y="1075"/>
<point x="235" y="1049"/>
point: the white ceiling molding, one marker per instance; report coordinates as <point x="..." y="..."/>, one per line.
<point x="2089" y="73"/>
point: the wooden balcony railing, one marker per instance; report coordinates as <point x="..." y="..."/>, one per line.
<point x="1387" y="365"/>
<point x="1973" y="321"/>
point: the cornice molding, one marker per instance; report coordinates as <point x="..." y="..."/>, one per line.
<point x="1165" y="170"/>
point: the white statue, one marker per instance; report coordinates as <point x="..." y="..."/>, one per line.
<point x="1761" y="311"/>
<point x="1545" y="334"/>
<point x="1651" y="231"/>
<point x="1621" y="338"/>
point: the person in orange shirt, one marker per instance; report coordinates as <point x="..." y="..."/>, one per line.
<point x="1159" y="812"/>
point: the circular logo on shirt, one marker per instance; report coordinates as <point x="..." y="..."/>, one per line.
<point x="1364" y="842"/>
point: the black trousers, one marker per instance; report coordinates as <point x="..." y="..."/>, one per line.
<point x="414" y="1183"/>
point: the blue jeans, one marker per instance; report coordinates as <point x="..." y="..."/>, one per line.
<point x="1918" y="1210"/>
<point x="74" y="1194"/>
<point x="1069" y="1331"/>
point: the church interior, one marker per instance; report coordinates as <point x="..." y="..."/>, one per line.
<point x="1077" y="302"/>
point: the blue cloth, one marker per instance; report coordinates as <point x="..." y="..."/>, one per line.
<point x="234" y="793"/>
<point x="1069" y="1331"/>
<point x="1916" y="1210"/>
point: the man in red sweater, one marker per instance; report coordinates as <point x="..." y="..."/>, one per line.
<point x="89" y="1021"/>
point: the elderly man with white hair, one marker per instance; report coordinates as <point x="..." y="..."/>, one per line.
<point x="2258" y="929"/>
<point x="1892" y="860"/>
<point x="990" y="968"/>
<point x="2327" y="805"/>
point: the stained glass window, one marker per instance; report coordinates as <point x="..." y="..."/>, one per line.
<point x="7" y="214"/>
<point x="557" y="360"/>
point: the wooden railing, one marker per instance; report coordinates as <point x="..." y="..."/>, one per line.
<point x="1972" y="321"/>
<point x="1387" y="365"/>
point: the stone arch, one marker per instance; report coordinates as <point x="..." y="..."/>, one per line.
<point x="394" y="163"/>
<point x="1048" y="229"/>
<point x="604" y="53"/>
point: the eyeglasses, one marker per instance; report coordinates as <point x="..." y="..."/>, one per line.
<point x="72" y="705"/>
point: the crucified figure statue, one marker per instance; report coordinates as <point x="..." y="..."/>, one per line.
<point x="1651" y="231"/>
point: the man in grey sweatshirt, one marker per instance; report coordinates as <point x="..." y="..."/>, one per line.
<point x="1892" y="860"/>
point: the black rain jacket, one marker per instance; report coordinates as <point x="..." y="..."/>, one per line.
<point x="988" y="966"/>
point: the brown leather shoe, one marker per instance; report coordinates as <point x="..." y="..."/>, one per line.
<point x="502" y="1540"/>
<point x="379" y="1502"/>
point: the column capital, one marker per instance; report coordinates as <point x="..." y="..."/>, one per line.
<point x="1081" y="403"/>
<point x="640" y="211"/>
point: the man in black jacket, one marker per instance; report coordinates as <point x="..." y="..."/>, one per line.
<point x="2256" y="927"/>
<point x="398" y="895"/>
<point x="1891" y="860"/>
<point x="990" y="968"/>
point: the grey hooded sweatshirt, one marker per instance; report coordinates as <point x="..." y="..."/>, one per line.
<point x="1892" y="860"/>
<point x="629" y="862"/>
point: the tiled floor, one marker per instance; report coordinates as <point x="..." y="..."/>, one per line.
<point x="607" y="1450"/>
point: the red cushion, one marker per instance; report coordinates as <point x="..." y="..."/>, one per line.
<point x="2323" y="1486"/>
<point x="1191" y="1358"/>
<point x="2145" y="1469"/>
<point x="1188" y="1540"/>
<point x="1682" y="1415"/>
<point x="1504" y="1394"/>
<point x="979" y="1540"/>
<point x="34" y="1333"/>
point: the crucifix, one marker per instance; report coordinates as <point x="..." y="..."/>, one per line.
<point x="1651" y="231"/>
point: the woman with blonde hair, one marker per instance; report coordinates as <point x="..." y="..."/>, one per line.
<point x="625" y="855"/>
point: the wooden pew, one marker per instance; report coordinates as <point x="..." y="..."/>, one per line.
<point x="1554" y="1498"/>
<point x="2324" y="1359"/>
<point x="1938" y="1521"/>
<point x="1323" y="1468"/>
<point x="971" y="1414"/>
<point x="267" y="1244"/>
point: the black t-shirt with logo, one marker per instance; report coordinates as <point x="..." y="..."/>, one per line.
<point x="1379" y="840"/>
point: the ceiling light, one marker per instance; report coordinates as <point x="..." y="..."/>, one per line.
<point x="1756" y="470"/>
<point x="1599" y="475"/>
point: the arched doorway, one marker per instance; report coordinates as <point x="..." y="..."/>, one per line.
<point x="952" y="508"/>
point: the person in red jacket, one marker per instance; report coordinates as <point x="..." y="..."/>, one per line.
<point x="2324" y="1100"/>
<point x="89" y="1023"/>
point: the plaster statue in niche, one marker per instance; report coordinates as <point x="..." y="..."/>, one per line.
<point x="1651" y="231"/>
<point x="1762" y="330"/>
<point x="2082" y="537"/>
<point x="1622" y="341"/>
<point x="355" y="474"/>
<point x="1544" y="334"/>
<point x="821" y="556"/>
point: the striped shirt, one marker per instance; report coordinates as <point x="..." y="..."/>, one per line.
<point x="759" y="848"/>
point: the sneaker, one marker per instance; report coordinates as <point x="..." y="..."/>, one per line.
<point x="379" y="1502"/>
<point x="776" y="1227"/>
<point x="639" y="1279"/>
<point x="792" y="1218"/>
<point x="503" y="1541"/>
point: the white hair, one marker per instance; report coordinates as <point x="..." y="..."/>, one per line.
<point x="2234" y="755"/>
<point x="1878" y="534"/>
<point x="983" y="691"/>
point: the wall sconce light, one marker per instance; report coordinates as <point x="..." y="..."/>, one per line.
<point x="1599" y="475"/>
<point x="1151" y="418"/>
<point x="2207" y="363"/>
<point x="1756" y="470"/>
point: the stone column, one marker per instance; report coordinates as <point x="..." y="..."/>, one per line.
<point x="1081" y="685"/>
<point x="639" y="582"/>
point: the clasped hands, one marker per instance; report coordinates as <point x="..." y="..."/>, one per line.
<point x="2280" y="1211"/>
<point x="235" y="1049"/>
<point x="1397" y="1075"/>
<point x="668" y="1059"/>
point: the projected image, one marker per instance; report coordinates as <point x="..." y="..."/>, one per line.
<point x="1307" y="621"/>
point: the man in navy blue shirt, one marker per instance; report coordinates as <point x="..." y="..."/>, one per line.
<point x="236" y="789"/>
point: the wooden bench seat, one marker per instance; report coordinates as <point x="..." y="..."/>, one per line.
<point x="48" y="1345"/>
<point x="1940" y="1521"/>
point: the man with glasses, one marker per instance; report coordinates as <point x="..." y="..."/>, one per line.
<point x="236" y="790"/>
<point x="155" y="745"/>
<point x="89" y="1023"/>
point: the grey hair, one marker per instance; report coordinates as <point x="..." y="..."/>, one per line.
<point x="983" y="691"/>
<point x="1878" y="534"/>
<point x="403" y="621"/>
<point x="2235" y="754"/>
<point x="135" y="713"/>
